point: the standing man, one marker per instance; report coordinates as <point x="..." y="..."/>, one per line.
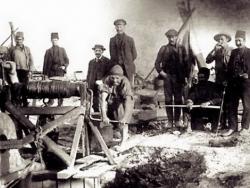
<point x="122" y="50"/>
<point x="99" y="67"/>
<point x="21" y="55"/>
<point x="171" y="64"/>
<point x="56" y="62"/>
<point x="221" y="54"/>
<point x="117" y="100"/>
<point x="239" y="84"/>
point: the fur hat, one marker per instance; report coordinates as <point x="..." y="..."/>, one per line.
<point x="19" y="34"/>
<point x="240" y="34"/>
<point x="54" y="36"/>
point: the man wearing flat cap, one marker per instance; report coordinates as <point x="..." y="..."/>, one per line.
<point x="117" y="100"/>
<point x="122" y="50"/>
<point x="239" y="85"/>
<point x="21" y="55"/>
<point x="172" y="66"/>
<point x="56" y="61"/>
<point x="220" y="55"/>
<point x="98" y="69"/>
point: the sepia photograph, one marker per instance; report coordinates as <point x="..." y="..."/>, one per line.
<point x="125" y="94"/>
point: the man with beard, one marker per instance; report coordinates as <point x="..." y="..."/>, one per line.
<point x="117" y="101"/>
<point x="97" y="70"/>
<point x="221" y="54"/>
<point x="122" y="50"/>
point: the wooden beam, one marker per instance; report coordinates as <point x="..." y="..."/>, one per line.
<point x="46" y="110"/>
<point x="102" y="143"/>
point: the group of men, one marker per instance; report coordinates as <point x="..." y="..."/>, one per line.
<point x="111" y="80"/>
<point x="231" y="84"/>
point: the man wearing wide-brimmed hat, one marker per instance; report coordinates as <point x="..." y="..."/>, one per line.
<point x="122" y="50"/>
<point x="55" y="62"/>
<point x="220" y="54"/>
<point x="98" y="68"/>
<point x="172" y="66"/>
<point x="239" y="84"/>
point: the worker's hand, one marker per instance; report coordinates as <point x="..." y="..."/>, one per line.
<point x="205" y="104"/>
<point x="190" y="105"/>
<point x="217" y="47"/>
<point x="163" y="74"/>
<point x="106" y="120"/>
<point x="244" y="76"/>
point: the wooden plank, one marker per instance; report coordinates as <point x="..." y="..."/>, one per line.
<point x="77" y="183"/>
<point x="89" y="183"/>
<point x="63" y="184"/>
<point x="97" y="183"/>
<point x="76" y="140"/>
<point x="95" y="171"/>
<point x="49" y="184"/>
<point x="89" y="159"/>
<point x="87" y="146"/>
<point x="66" y="173"/>
<point x="46" y="110"/>
<point x="83" y="141"/>
<point x="102" y="143"/>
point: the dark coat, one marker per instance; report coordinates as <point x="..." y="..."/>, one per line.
<point x="221" y="58"/>
<point x="173" y="61"/>
<point x="97" y="70"/>
<point x="53" y="62"/>
<point x="124" y="54"/>
<point x="239" y="63"/>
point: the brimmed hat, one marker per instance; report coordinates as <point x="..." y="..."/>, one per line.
<point x="217" y="37"/>
<point x="19" y="34"/>
<point x="240" y="34"/>
<point x="3" y="50"/>
<point x="116" y="70"/>
<point x="54" y="36"/>
<point x="120" y="22"/>
<point x="171" y="32"/>
<point x="99" y="46"/>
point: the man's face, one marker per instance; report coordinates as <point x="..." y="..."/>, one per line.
<point x="54" y="42"/>
<point x="202" y="77"/>
<point x="239" y="42"/>
<point x="19" y="41"/>
<point x="222" y="40"/>
<point x="116" y="80"/>
<point x="172" y="40"/>
<point x="98" y="52"/>
<point x="120" y="28"/>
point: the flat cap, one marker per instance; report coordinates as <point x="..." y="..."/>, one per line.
<point x="99" y="46"/>
<point x="217" y="36"/>
<point x="120" y="22"/>
<point x="19" y="34"/>
<point x="171" y="32"/>
<point x="54" y="36"/>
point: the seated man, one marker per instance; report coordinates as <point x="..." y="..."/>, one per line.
<point x="204" y="93"/>
<point x="117" y="100"/>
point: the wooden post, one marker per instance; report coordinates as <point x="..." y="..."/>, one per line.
<point x="102" y="143"/>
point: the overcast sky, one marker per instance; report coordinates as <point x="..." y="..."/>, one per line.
<point x="83" y="23"/>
